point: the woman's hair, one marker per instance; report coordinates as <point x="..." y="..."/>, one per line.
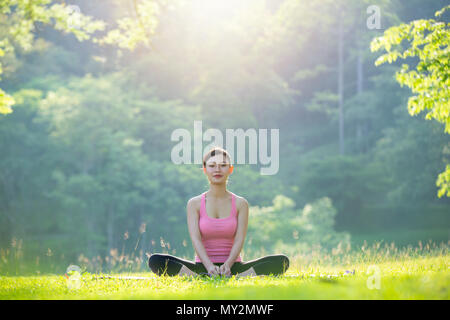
<point x="215" y="151"/>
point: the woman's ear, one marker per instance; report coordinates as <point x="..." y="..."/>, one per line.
<point x="231" y="168"/>
<point x="204" y="169"/>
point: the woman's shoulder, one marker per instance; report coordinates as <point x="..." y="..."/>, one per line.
<point x="241" y="202"/>
<point x="195" y="201"/>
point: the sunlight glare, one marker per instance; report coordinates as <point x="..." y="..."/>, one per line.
<point x="213" y="12"/>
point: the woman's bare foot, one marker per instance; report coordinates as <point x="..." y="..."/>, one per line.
<point x="250" y="272"/>
<point x="186" y="271"/>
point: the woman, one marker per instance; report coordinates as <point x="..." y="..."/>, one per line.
<point x="217" y="223"/>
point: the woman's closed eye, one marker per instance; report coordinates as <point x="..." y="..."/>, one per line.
<point x="223" y="165"/>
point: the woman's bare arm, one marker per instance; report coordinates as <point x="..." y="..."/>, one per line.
<point x="241" y="232"/>
<point x="194" y="232"/>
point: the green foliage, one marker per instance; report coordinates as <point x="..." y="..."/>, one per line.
<point x="109" y="171"/>
<point x="23" y="168"/>
<point x="352" y="182"/>
<point x="294" y="230"/>
<point x="323" y="102"/>
<point x="21" y="18"/>
<point x="136" y="29"/>
<point x="6" y="101"/>
<point x="411" y="178"/>
<point x="444" y="182"/>
<point x="243" y="180"/>
<point x="428" y="40"/>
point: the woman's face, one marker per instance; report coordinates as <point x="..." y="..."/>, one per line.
<point x="217" y="169"/>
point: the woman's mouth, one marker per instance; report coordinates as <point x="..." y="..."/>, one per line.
<point x="217" y="176"/>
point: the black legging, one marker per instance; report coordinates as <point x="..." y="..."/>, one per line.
<point x="170" y="265"/>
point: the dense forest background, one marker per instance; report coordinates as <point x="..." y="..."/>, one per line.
<point x="85" y="163"/>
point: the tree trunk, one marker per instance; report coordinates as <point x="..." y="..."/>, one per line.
<point x="110" y="229"/>
<point x="6" y="209"/>
<point x="91" y="230"/>
<point x="143" y="241"/>
<point x="359" y="90"/>
<point x="359" y="83"/>
<point x="341" y="82"/>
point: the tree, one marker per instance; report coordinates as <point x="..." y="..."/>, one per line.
<point x="21" y="18"/>
<point x="428" y="41"/>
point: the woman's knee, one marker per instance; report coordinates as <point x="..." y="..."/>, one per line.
<point x="157" y="261"/>
<point x="273" y="264"/>
<point x="283" y="260"/>
<point x="154" y="260"/>
<point x="161" y="263"/>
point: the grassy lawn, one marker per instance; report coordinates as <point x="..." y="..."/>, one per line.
<point x="411" y="273"/>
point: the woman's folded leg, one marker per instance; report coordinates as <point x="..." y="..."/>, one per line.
<point x="170" y="265"/>
<point x="273" y="264"/>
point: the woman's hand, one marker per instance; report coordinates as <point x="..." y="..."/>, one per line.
<point x="213" y="269"/>
<point x="225" y="269"/>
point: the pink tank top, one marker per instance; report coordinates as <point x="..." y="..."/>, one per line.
<point x="218" y="234"/>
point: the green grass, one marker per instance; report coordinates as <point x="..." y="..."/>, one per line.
<point x="408" y="273"/>
<point x="402" y="237"/>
